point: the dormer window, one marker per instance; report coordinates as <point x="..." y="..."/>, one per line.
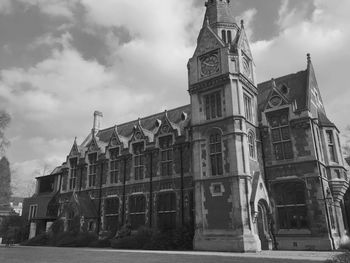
<point x="139" y="166"/>
<point x="92" y="169"/>
<point x="213" y="105"/>
<point x="114" y="167"/>
<point x="73" y="173"/>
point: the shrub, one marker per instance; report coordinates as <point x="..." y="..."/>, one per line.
<point x="100" y="243"/>
<point x="57" y="226"/>
<point x="342" y="258"/>
<point x="128" y="242"/>
<point x="145" y="238"/>
<point x="39" y="240"/>
<point x="71" y="239"/>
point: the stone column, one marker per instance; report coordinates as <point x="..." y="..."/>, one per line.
<point x="32" y="230"/>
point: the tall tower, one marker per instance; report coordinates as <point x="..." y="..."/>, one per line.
<point x="224" y="122"/>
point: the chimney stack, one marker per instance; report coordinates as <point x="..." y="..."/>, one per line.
<point x="97" y="121"/>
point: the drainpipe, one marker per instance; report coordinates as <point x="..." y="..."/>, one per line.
<point x="182" y="185"/>
<point x="323" y="193"/>
<point x="124" y="180"/>
<point x="99" y="201"/>
<point x="151" y="191"/>
<point x="81" y="177"/>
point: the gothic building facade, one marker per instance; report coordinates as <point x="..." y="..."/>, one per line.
<point x="249" y="166"/>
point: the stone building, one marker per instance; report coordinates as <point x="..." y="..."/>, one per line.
<point x="250" y="166"/>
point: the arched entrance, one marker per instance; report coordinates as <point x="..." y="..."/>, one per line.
<point x="263" y="226"/>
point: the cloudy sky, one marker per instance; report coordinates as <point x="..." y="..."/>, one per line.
<point x="62" y="59"/>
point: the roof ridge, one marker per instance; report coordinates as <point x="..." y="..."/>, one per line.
<point x="142" y="118"/>
<point x="288" y="75"/>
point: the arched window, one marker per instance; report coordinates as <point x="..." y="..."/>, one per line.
<point x="223" y="35"/>
<point x="251" y="142"/>
<point x="229" y="36"/>
<point x="137" y="210"/>
<point x="215" y="154"/>
<point x="291" y="205"/>
<point x="166" y="210"/>
<point x="111" y="211"/>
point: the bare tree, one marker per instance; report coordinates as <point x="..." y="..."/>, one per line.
<point x="5" y="119"/>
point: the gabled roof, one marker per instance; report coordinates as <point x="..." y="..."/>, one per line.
<point x="148" y="123"/>
<point x="301" y="90"/>
<point x="296" y="84"/>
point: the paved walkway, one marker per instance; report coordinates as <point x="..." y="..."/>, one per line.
<point x="18" y="254"/>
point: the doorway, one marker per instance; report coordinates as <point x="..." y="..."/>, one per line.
<point x="263" y="227"/>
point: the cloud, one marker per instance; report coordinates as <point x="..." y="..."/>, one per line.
<point x="149" y="43"/>
<point x="55" y="8"/>
<point x="325" y="35"/>
<point x="5" y="6"/>
<point x="248" y="18"/>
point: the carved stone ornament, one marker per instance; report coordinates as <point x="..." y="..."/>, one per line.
<point x="209" y="64"/>
<point x="138" y="135"/>
<point x="275" y="101"/>
<point x="165" y="129"/>
<point x="208" y="42"/>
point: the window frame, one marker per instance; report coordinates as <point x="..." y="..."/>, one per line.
<point x="135" y="214"/>
<point x="213" y="105"/>
<point x="252" y="144"/>
<point x="139" y="160"/>
<point x="215" y="153"/>
<point x="114" y="165"/>
<point x="248" y="107"/>
<point x="92" y="169"/>
<point x="165" y="213"/>
<point x="33" y="210"/>
<point x="280" y="144"/>
<point x="109" y="215"/>
<point x="73" y="170"/>
<point x="287" y="191"/>
<point x="331" y="146"/>
<point x="166" y="155"/>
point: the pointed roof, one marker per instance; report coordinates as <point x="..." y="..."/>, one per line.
<point x="296" y="90"/>
<point x="219" y="11"/>
<point x="74" y="150"/>
<point x="313" y="92"/>
<point x="299" y="88"/>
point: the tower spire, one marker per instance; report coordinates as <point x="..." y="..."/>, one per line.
<point x="219" y="11"/>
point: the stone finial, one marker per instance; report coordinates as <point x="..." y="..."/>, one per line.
<point x="273" y="83"/>
<point x="308" y="57"/>
<point x="242" y="23"/>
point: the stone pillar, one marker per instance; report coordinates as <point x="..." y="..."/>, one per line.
<point x="48" y="225"/>
<point x="32" y="230"/>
